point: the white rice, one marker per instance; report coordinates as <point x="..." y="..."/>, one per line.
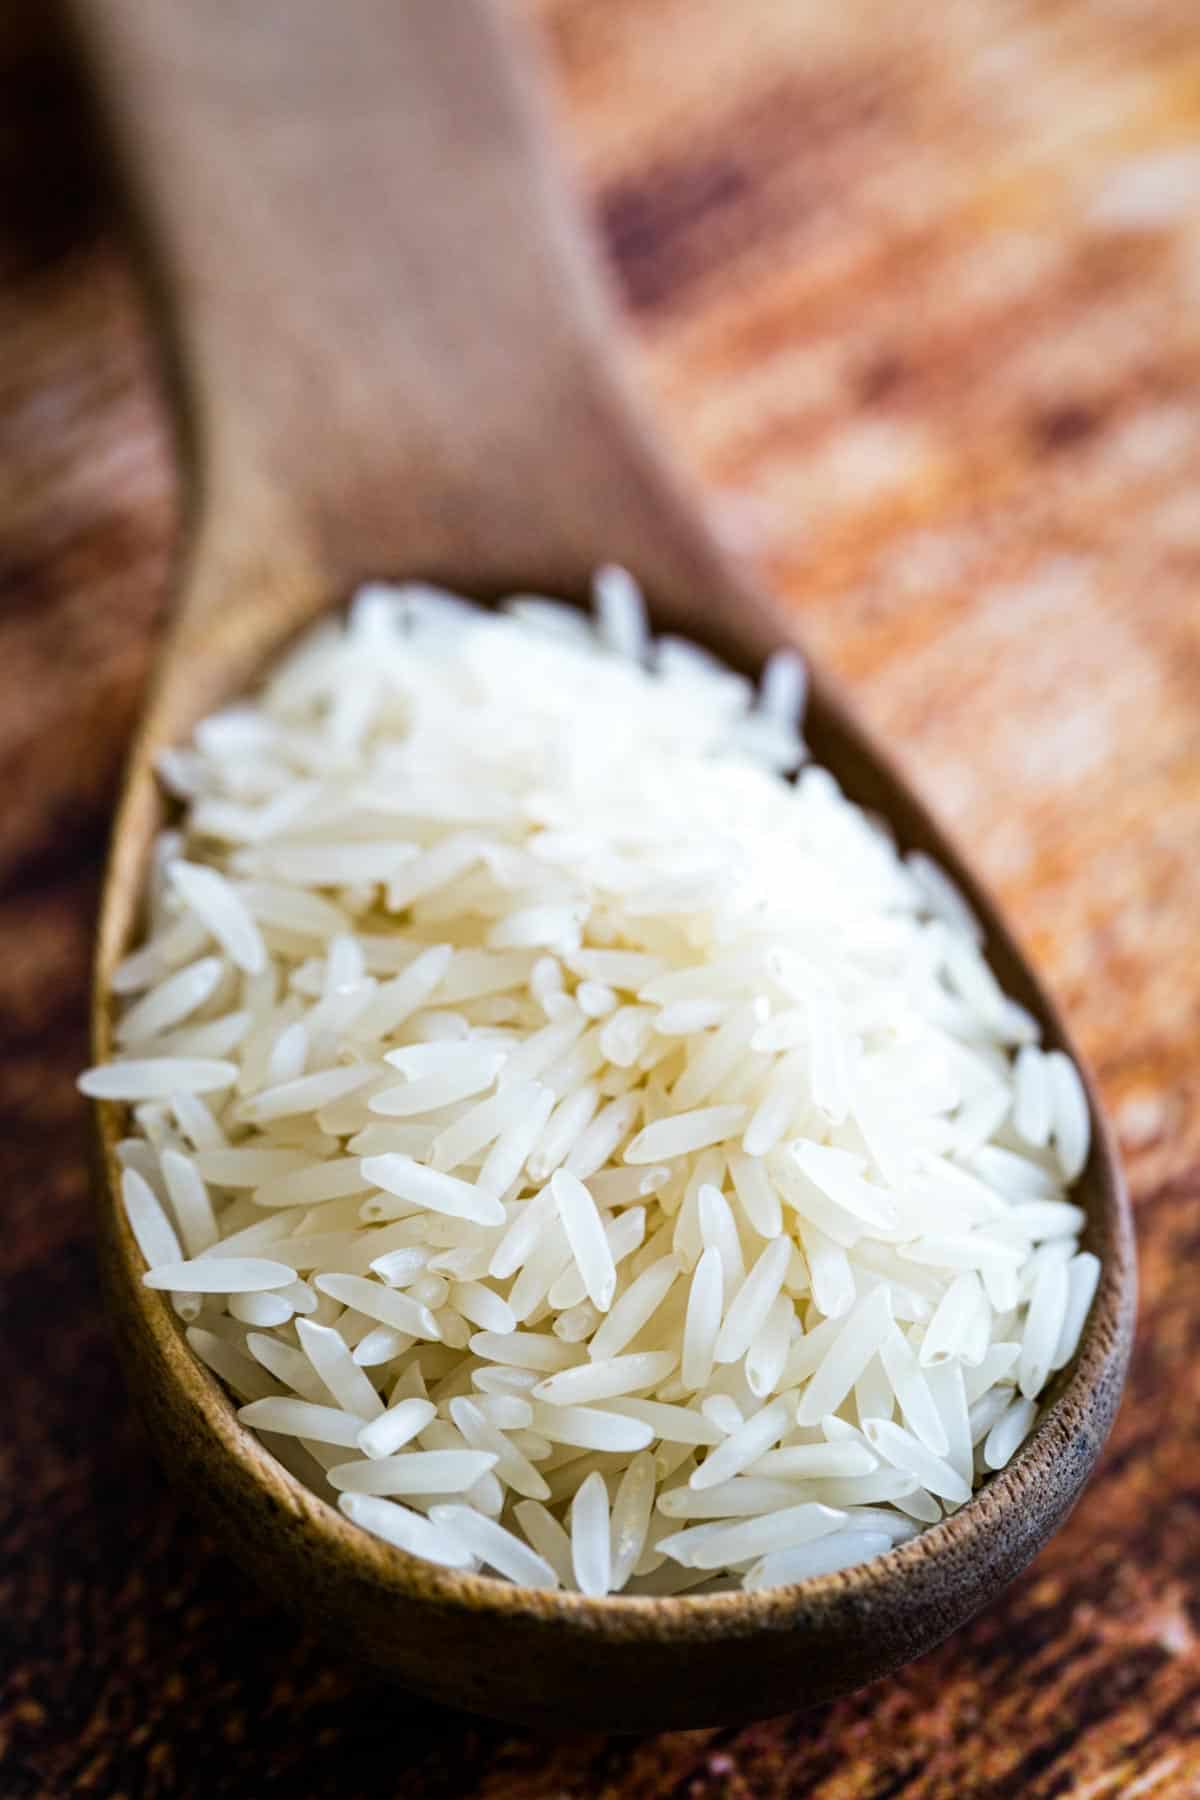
<point x="906" y="1452"/>
<point x="824" y="1556"/>
<point x="812" y="1461"/>
<point x="608" y="1162"/>
<point x="306" y="1095"/>
<point x="743" y="1539"/>
<point x="498" y="1548"/>
<point x="513" y="1465"/>
<point x="1043" y="1323"/>
<point x="1083" y="1278"/>
<point x="411" y="1181"/>
<point x="329" y="1354"/>
<point x="631" y="1515"/>
<point x="1008" y="1432"/>
<point x="300" y="1418"/>
<point x="413" y="1472"/>
<point x="591" y="1545"/>
<point x="684" y="1133"/>
<point x="260" y="1309"/>
<point x="744" y="1445"/>
<point x="213" y="900"/>
<point x="221" y="1275"/>
<point x="401" y="1311"/>
<point x="592" y="1428"/>
<point x="748" y="1309"/>
<point x="239" y="1373"/>
<point x="407" y="1530"/>
<point x="189" y="1201"/>
<point x="1069" y="1115"/>
<point x="723" y="1411"/>
<point x="157" y="1078"/>
<point x="585" y="1235"/>
<point x="543" y="1532"/>
<point x="703" y="1320"/>
<point x="170" y="1002"/>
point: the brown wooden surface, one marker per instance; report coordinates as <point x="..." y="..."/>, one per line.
<point x="376" y="385"/>
<point x="920" y="298"/>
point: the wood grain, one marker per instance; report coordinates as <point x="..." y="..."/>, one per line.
<point x="921" y="302"/>
<point x="372" y="383"/>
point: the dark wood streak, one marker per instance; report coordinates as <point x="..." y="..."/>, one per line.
<point x="662" y="232"/>
<point x="53" y="198"/>
<point x="136" y="1662"/>
<point x="797" y="149"/>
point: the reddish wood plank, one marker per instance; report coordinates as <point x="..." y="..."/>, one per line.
<point x="920" y="299"/>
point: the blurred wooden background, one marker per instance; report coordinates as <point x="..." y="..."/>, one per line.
<point x="917" y="292"/>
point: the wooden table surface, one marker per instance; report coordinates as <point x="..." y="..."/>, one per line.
<point x="917" y="291"/>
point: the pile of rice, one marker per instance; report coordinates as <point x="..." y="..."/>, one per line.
<point x="587" y="1154"/>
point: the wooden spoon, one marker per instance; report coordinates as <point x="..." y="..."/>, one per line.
<point x="395" y="355"/>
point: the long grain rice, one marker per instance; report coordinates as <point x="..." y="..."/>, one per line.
<point x="578" y="1128"/>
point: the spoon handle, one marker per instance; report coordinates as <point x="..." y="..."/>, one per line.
<point x="391" y="335"/>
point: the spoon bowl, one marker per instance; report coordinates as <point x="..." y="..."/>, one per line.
<point x="395" y="356"/>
